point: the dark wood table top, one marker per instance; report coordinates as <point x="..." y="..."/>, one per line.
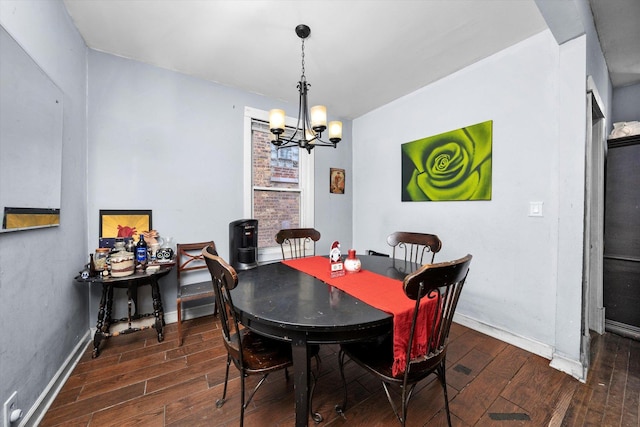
<point x="279" y="296"/>
<point x="284" y="303"/>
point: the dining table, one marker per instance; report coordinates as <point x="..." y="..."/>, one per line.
<point x="287" y="303"/>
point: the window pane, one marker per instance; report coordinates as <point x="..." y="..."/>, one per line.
<point x="273" y="167"/>
<point x="275" y="210"/>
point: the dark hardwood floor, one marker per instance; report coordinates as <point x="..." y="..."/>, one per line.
<point x="137" y="381"/>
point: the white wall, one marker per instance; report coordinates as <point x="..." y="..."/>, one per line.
<point x="43" y="311"/>
<point x="171" y="143"/>
<point x="626" y="104"/>
<point x="514" y="281"/>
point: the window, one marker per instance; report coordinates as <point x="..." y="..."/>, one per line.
<point x="278" y="184"/>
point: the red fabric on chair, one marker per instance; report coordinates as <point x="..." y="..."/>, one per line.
<point x="383" y="293"/>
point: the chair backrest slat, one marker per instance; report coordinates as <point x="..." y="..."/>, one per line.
<point x="189" y="257"/>
<point x="414" y="245"/>
<point x="293" y="241"/>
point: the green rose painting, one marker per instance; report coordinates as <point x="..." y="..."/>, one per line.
<point x="454" y="165"/>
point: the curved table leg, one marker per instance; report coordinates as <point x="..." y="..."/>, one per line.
<point x="158" y="311"/>
<point x="97" y="337"/>
<point x="107" y="317"/>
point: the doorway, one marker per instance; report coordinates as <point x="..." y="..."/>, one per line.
<point x="592" y="305"/>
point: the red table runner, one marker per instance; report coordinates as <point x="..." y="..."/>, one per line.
<point x="383" y="293"/>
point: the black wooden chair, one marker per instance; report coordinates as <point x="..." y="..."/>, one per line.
<point x="251" y="353"/>
<point x="189" y="260"/>
<point x="294" y="242"/>
<point x="443" y="282"/>
<point x="414" y="245"/>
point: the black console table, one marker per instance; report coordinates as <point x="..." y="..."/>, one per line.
<point x="131" y="284"/>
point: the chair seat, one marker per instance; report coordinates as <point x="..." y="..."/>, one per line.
<point x="262" y="354"/>
<point x="196" y="290"/>
<point x="377" y="357"/>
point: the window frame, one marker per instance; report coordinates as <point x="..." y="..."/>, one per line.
<point x="306" y="183"/>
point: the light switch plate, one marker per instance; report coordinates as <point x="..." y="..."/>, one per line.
<point x="535" y="208"/>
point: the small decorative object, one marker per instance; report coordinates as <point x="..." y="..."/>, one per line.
<point x="152" y="269"/>
<point x="335" y="257"/>
<point x="336" y="181"/>
<point x="167" y="242"/>
<point x="151" y="237"/>
<point x="153" y="251"/>
<point x="164" y="255"/>
<point x="122" y="264"/>
<point x="352" y="263"/>
<point x="118" y="246"/>
<point x="130" y="246"/>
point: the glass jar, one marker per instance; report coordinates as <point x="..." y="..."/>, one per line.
<point x="118" y="246"/>
<point x="100" y="258"/>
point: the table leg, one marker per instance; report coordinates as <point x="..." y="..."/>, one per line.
<point x="134" y="297"/>
<point x="107" y="317"/>
<point x="97" y="337"/>
<point x="301" y="379"/>
<point x="132" y="292"/>
<point x="157" y="309"/>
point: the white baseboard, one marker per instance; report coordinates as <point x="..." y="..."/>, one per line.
<point x="44" y="401"/>
<point x="561" y="363"/>
<point x="569" y="366"/>
<point x="189" y="313"/>
<point x="528" y="344"/>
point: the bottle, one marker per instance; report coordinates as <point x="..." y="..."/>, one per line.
<point x="92" y="266"/>
<point x="141" y="251"/>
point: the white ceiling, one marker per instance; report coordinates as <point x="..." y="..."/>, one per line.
<point x="361" y="53"/>
<point x="618" y="26"/>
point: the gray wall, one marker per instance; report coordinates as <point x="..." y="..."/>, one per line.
<point x="626" y="103"/>
<point x="171" y="143"/>
<point x="525" y="279"/>
<point x="43" y="311"/>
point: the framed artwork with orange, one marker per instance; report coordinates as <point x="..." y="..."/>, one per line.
<point x="124" y="223"/>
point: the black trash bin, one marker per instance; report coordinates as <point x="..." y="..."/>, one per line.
<point x="243" y="244"/>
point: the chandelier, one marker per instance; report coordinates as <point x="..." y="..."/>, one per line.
<point x="308" y="131"/>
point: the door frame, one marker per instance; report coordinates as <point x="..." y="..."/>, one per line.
<point x="593" y="311"/>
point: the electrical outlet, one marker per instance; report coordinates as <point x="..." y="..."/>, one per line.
<point x="10" y="405"/>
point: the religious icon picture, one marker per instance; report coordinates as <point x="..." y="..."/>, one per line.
<point x="336" y="181"/>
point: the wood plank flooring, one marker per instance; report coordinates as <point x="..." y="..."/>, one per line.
<point x="137" y="381"/>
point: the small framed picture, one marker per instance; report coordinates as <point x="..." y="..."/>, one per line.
<point x="336" y="181"/>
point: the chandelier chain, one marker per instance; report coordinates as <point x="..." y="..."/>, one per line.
<point x="302" y="78"/>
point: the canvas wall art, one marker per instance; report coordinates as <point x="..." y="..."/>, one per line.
<point x="454" y="165"/>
